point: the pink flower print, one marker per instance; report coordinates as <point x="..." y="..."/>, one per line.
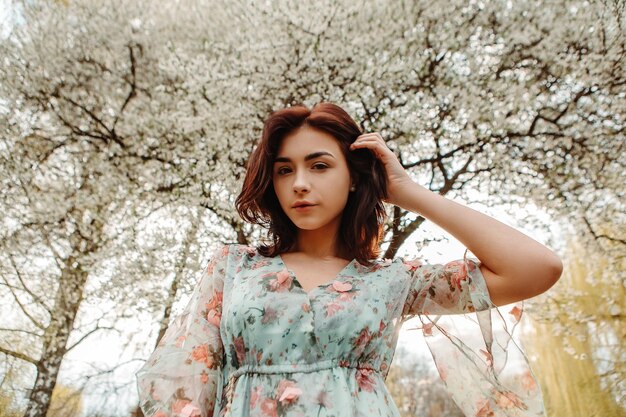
<point x="488" y="356"/>
<point x="155" y="396"/>
<point x="374" y="268"/>
<point x="282" y="282"/>
<point x="282" y="276"/>
<point x="179" y="405"/>
<point x="204" y="377"/>
<point x="214" y="308"/>
<point x="332" y="308"/>
<point x="214" y="317"/>
<point x="269" y="314"/>
<point x="443" y="371"/>
<point x="256" y="354"/>
<point x="516" y="312"/>
<point x="210" y="266"/>
<point x="200" y="353"/>
<point x="240" y="348"/>
<point x="215" y="258"/>
<point x="216" y="300"/>
<point x="260" y="264"/>
<point x="255" y="395"/>
<point x="528" y="382"/>
<point x="427" y="329"/>
<point x="190" y="410"/>
<point x="287" y="391"/>
<point x="364" y="379"/>
<point x="322" y="399"/>
<point x="412" y="265"/>
<point x="346" y="296"/>
<point x="290" y="395"/>
<point x="458" y="272"/>
<point x="342" y="286"/>
<point x="249" y="250"/>
<point x="306" y="307"/>
<point x="269" y="407"/>
<point x="178" y="343"/>
<point x="484" y="408"/>
<point x="509" y="399"/>
<point x="160" y="414"/>
<point x="362" y="341"/>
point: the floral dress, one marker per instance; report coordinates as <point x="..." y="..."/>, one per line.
<point x="253" y="342"/>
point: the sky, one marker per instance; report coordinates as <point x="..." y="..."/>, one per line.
<point x="7" y="10"/>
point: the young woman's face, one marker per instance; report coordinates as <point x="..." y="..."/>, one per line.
<point x="310" y="166"/>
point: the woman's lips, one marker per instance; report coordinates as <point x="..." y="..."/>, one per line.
<point x="304" y="208"/>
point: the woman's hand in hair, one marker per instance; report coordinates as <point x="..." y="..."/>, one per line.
<point x="397" y="177"/>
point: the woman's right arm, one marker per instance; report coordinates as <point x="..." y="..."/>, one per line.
<point x="181" y="376"/>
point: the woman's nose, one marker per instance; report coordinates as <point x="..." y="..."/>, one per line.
<point x="301" y="183"/>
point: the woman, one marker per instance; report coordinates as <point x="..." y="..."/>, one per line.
<point x="307" y="325"/>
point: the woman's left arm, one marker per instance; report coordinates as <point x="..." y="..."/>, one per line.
<point x="515" y="266"/>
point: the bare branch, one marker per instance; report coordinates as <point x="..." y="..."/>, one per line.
<point x="92" y="331"/>
<point x="4" y="329"/>
<point x="19" y="355"/>
<point x="22" y="307"/>
<point x="25" y="288"/>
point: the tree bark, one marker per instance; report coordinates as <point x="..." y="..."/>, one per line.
<point x="67" y="301"/>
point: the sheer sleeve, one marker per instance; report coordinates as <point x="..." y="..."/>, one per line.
<point x="484" y="370"/>
<point x="454" y="288"/>
<point x="181" y="376"/>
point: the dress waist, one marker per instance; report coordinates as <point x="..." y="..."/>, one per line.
<point x="283" y="368"/>
<point x="287" y="368"/>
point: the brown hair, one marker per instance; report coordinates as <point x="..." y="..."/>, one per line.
<point x="363" y="218"/>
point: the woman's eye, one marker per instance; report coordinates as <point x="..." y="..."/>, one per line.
<point x="318" y="166"/>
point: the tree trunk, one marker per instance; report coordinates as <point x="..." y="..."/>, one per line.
<point x="67" y="301"/>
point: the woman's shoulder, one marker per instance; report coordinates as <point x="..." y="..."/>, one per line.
<point x="380" y="265"/>
<point x="400" y="265"/>
<point x="240" y="250"/>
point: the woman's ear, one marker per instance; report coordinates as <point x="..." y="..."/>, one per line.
<point x="352" y="183"/>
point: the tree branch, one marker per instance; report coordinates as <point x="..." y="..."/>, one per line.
<point x="19" y="355"/>
<point x="17" y="300"/>
<point x="26" y="289"/>
<point x="86" y="335"/>
<point x="4" y="329"/>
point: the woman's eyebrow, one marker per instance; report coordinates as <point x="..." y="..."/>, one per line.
<point x="306" y="158"/>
